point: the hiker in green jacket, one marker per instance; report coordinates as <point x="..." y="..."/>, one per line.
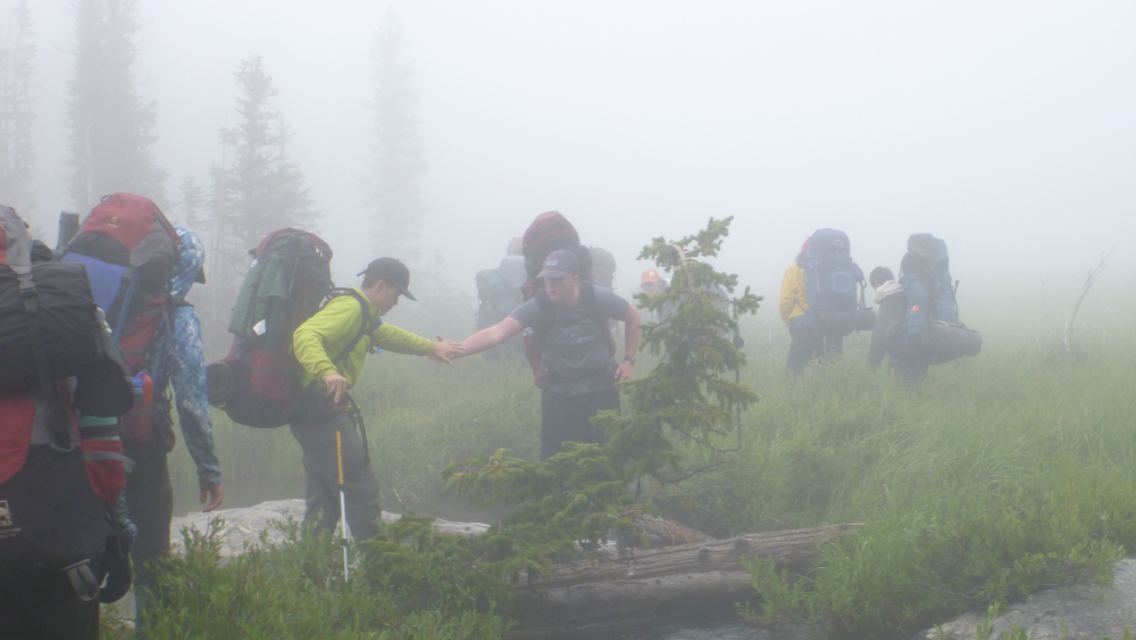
<point x="332" y="347"/>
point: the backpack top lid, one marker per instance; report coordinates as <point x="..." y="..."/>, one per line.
<point x="828" y="243"/>
<point x="15" y="241"/>
<point x="548" y="227"/>
<point x="133" y="221"/>
<point x="928" y="247"/>
<point x="549" y="232"/>
<point x="278" y="239"/>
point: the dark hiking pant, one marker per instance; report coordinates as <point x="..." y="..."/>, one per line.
<point x="567" y="418"/>
<point x="808" y="344"/>
<point x="321" y="477"/>
<point x="41" y="605"/>
<point x="910" y="370"/>
<point x="150" y="505"/>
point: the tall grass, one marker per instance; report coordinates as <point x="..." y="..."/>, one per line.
<point x="420" y="417"/>
<point x="1006" y="472"/>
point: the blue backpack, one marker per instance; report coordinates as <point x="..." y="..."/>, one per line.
<point x="831" y="277"/>
<point x="926" y="281"/>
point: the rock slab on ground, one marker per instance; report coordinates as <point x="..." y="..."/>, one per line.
<point x="243" y="525"/>
<point x="1087" y="611"/>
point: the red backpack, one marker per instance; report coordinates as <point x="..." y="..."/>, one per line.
<point x="130" y="250"/>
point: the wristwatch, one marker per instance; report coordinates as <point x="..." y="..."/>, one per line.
<point x="630" y="359"/>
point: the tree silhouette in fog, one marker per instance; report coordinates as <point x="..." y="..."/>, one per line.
<point x="257" y="188"/>
<point x="17" y="154"/>
<point x="398" y="160"/>
<point x="112" y="130"/>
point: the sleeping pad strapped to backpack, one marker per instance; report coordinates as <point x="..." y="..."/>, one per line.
<point x="255" y="384"/>
<point x="933" y="331"/>
<point x="549" y="232"/>
<point x="57" y="473"/>
<point x="831" y="281"/>
<point x="129" y="249"/>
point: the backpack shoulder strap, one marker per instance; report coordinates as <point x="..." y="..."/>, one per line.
<point x="364" y="322"/>
<point x="547" y="312"/>
<point x="591" y="305"/>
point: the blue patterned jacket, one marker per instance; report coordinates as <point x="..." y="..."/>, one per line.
<point x="178" y="360"/>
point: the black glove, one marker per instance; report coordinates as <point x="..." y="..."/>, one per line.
<point x="119" y="574"/>
<point x="115" y="564"/>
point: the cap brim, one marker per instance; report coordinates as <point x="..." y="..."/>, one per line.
<point x="409" y="296"/>
<point x="552" y="273"/>
<point x="200" y="279"/>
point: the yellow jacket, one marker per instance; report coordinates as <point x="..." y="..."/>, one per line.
<point x="794" y="295"/>
<point x="328" y="332"/>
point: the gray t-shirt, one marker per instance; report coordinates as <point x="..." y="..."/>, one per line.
<point x="575" y="352"/>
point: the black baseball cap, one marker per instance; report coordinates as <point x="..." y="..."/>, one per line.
<point x="392" y="272"/>
<point x="560" y="263"/>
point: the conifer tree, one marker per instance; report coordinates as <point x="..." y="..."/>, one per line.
<point x="398" y="162"/>
<point x="191" y="198"/>
<point x="582" y="493"/>
<point x="112" y="129"/>
<point x="260" y="189"/>
<point x="17" y="154"/>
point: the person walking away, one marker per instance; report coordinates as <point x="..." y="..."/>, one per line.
<point x="805" y="343"/>
<point x="331" y="347"/>
<point x="175" y="361"/>
<point x="891" y="324"/>
<point x="818" y="299"/>
<point x="63" y="527"/>
<point x="568" y="317"/>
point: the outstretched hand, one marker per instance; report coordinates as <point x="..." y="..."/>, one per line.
<point x="445" y="351"/>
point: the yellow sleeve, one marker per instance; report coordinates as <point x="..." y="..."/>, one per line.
<point x="390" y="338"/>
<point x="334" y="324"/>
<point x="794" y="296"/>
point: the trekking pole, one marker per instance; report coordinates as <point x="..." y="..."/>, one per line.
<point x="342" y="503"/>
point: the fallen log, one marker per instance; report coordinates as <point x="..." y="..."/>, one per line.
<point x="628" y="591"/>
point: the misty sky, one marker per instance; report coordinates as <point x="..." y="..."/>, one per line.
<point x="1007" y="128"/>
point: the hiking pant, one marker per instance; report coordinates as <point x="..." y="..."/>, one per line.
<point x="910" y="370"/>
<point x="808" y="344"/>
<point x="39" y="604"/>
<point x="567" y="418"/>
<point x="321" y="476"/>
<point x="150" y="505"/>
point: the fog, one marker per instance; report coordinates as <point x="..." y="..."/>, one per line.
<point x="1009" y="129"/>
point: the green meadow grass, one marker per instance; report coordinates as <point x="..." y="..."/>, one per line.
<point x="1005" y="473"/>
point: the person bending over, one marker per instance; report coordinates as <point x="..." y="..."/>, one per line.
<point x="569" y="317"/>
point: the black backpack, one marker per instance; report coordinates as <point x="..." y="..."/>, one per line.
<point x="54" y="487"/>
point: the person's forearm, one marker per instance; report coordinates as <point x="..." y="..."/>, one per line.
<point x="490" y="337"/>
<point x="631" y="332"/>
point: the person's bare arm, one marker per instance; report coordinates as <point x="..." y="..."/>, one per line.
<point x="490" y="337"/>
<point x="631" y="341"/>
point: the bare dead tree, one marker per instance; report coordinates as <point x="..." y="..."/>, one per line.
<point x="1090" y="280"/>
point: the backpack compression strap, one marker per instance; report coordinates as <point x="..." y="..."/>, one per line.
<point x="64" y="440"/>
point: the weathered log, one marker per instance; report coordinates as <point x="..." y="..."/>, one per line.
<point x="618" y="593"/>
